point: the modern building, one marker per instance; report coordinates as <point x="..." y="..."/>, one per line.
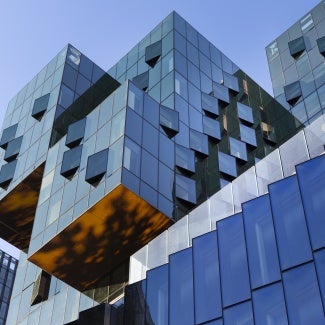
<point x="8" y="267"/>
<point x="107" y="177"/>
<point x="297" y="68"/>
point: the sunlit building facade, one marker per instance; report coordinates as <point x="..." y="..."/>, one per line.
<point x="107" y="176"/>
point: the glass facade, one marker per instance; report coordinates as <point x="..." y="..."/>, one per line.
<point x="110" y="178"/>
<point x="296" y="62"/>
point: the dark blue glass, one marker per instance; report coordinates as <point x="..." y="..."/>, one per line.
<point x="215" y="322"/>
<point x="133" y="126"/>
<point x="231" y="82"/>
<point x="199" y="142"/>
<point x="302" y="296"/>
<point x="206" y="278"/>
<point x="185" y="189"/>
<point x="210" y="104"/>
<point x="238" y="148"/>
<point x="241" y="314"/>
<point x="245" y="113"/>
<point x="82" y="84"/>
<point x="289" y="222"/>
<point x="227" y="164"/>
<point x="8" y="134"/>
<point x="185" y="158"/>
<point x="211" y="127"/>
<point x="181" y="311"/>
<point x="320" y="268"/>
<point x="151" y="110"/>
<point x="311" y="177"/>
<point x="76" y="132"/>
<point x="96" y="166"/>
<point x="40" y="106"/>
<point x="233" y="260"/>
<point x="149" y="169"/>
<point x="169" y="119"/>
<point x="166" y="181"/>
<point x="150" y="138"/>
<point x="269" y="305"/>
<point x="261" y="245"/>
<point x="157" y="295"/>
<point x="13" y="149"/>
<point x="166" y="145"/>
<point x="221" y="92"/>
<point x="7" y="173"/>
<point x="248" y="135"/>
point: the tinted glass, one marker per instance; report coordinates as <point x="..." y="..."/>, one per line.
<point x="96" y="166"/>
<point x="185" y="189"/>
<point x="185" y="158"/>
<point x="290" y="223"/>
<point x="181" y="288"/>
<point x="245" y="113"/>
<point x="13" y="149"/>
<point x="7" y="173"/>
<point x="311" y="177"/>
<point x="206" y="278"/>
<point x="40" y="106"/>
<point x="302" y="292"/>
<point x="238" y="149"/>
<point x="71" y="161"/>
<point x="239" y="314"/>
<point x="157" y="295"/>
<point x="199" y="142"/>
<point x="211" y="127"/>
<point x="8" y="134"/>
<point x="227" y="164"/>
<point x="233" y="260"/>
<point x="261" y="246"/>
<point x="75" y="133"/>
<point x="248" y="135"/>
<point x="269" y="305"/>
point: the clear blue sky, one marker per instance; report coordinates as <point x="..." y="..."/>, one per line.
<point x="32" y="32"/>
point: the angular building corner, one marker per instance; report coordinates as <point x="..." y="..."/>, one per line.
<point x="126" y="190"/>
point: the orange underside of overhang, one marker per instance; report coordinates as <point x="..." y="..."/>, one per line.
<point x="100" y="239"/>
<point x="17" y="210"/>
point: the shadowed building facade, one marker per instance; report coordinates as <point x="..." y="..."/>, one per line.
<point x="104" y="162"/>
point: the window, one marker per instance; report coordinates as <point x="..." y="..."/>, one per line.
<point x="185" y="158"/>
<point x="238" y="149"/>
<point x="297" y="47"/>
<point x="75" y="133"/>
<point x="7" y="173"/>
<point x="245" y="113"/>
<point x="40" y="106"/>
<point x="211" y="127"/>
<point x="231" y="82"/>
<point x="321" y="45"/>
<point x="169" y="120"/>
<point x="41" y="288"/>
<point x="248" y="135"/>
<point x="153" y="53"/>
<point x="185" y="189"/>
<point x="221" y="92"/>
<point x="96" y="166"/>
<point x="292" y="92"/>
<point x="132" y="157"/>
<point x="142" y="81"/>
<point x="227" y="164"/>
<point x="8" y="134"/>
<point x="272" y="51"/>
<point x="307" y="23"/>
<point x="210" y="104"/>
<point x="13" y="149"/>
<point x="199" y="142"/>
<point x="71" y="162"/>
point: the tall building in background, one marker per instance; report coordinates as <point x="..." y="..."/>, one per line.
<point x="8" y="267"/>
<point x="107" y="177"/>
<point x="296" y="62"/>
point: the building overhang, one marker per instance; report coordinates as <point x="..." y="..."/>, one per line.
<point x="100" y="239"/>
<point x="17" y="210"/>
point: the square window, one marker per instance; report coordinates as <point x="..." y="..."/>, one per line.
<point x="297" y="47"/>
<point x="231" y="82"/>
<point x="245" y="113"/>
<point x="185" y="189"/>
<point x="75" y="133"/>
<point x="321" y="45"/>
<point x="248" y="135"/>
<point x="185" y="158"/>
<point x="221" y="92"/>
<point x="211" y="127"/>
<point x="169" y="120"/>
<point x="142" y="81"/>
<point x="71" y="162"/>
<point x="7" y="174"/>
<point x="8" y="134"/>
<point x="227" y="164"/>
<point x="40" y="106"/>
<point x="210" y="104"/>
<point x="199" y="142"/>
<point x="292" y="92"/>
<point x="96" y="167"/>
<point x="13" y="149"/>
<point x="238" y="149"/>
<point x="153" y="53"/>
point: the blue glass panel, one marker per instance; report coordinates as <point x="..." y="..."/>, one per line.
<point x="320" y="267"/>
<point x="149" y="169"/>
<point x="245" y="113"/>
<point x="133" y="126"/>
<point x="269" y="305"/>
<point x="289" y="222"/>
<point x="248" y="135"/>
<point x="135" y="98"/>
<point x="13" y="149"/>
<point x="215" y="322"/>
<point x="221" y="92"/>
<point x="238" y="149"/>
<point x="185" y="158"/>
<point x="8" y="134"/>
<point x="302" y="296"/>
<point x="231" y="82"/>
<point x="227" y="164"/>
<point x="157" y="295"/>
<point x="211" y="127"/>
<point x="241" y="314"/>
<point x="261" y="246"/>
<point x="233" y="260"/>
<point x="199" y="142"/>
<point x="206" y="278"/>
<point x="311" y="177"/>
<point x="185" y="189"/>
<point x="210" y="104"/>
<point x="181" y="300"/>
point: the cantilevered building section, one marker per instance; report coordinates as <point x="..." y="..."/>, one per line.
<point x="104" y="163"/>
<point x="296" y="62"/>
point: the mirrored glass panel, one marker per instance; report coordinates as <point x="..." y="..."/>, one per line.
<point x="71" y="162"/>
<point x="40" y="106"/>
<point x="13" y="149"/>
<point x="8" y="134"/>
<point x="96" y="166"/>
<point x="76" y="132"/>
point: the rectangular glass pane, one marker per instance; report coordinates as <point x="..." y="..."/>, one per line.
<point x="239" y="314"/>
